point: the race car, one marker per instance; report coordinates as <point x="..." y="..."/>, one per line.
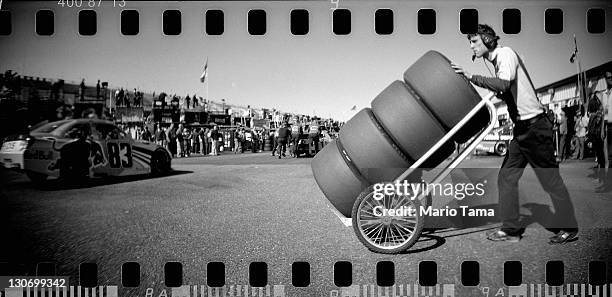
<point x="90" y="147"/>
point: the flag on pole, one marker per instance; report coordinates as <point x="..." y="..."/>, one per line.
<point x="203" y="76"/>
<point x="354" y="107"/>
<point x="573" y="57"/>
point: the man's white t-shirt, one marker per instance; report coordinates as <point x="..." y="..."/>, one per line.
<point x="508" y="67"/>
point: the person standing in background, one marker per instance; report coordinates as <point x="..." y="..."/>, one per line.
<point x="606" y="100"/>
<point x="121" y="97"/>
<point x="597" y="137"/>
<point x="296" y="131"/>
<point x="314" y="132"/>
<point x="146" y="134"/>
<point x="274" y="136"/>
<point x="172" y="140"/>
<point x="195" y="141"/>
<point x="214" y="135"/>
<point x="562" y="120"/>
<point x="204" y="140"/>
<point x="238" y="135"/>
<point x="582" y="122"/>
<point x="82" y="90"/>
<point x="98" y="90"/>
<point x="187" y="140"/>
<point x="283" y="138"/>
<point x="179" y="141"/>
<point x="160" y="136"/>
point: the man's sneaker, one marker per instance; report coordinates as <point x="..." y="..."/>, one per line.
<point x="563" y="237"/>
<point x="500" y="235"/>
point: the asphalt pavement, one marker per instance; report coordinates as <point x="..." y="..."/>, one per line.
<point x="245" y="208"/>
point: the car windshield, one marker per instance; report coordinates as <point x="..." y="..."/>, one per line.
<point x="107" y="131"/>
<point x="15" y="137"/>
<point x="50" y="127"/>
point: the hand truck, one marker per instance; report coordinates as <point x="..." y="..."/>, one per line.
<point x="391" y="234"/>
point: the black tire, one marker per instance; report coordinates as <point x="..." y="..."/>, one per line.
<point x="160" y="163"/>
<point x="36" y="177"/>
<point x="359" y="218"/>
<point x="448" y="95"/>
<point x="370" y="148"/>
<point x="410" y="124"/>
<point x="340" y="183"/>
<point x="501" y="148"/>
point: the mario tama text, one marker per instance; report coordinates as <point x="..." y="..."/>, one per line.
<point x="410" y="211"/>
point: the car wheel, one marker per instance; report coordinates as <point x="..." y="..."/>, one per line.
<point x="36" y="177"/>
<point x="160" y="163"/>
<point x="410" y="124"/>
<point x="501" y="148"/>
<point x="448" y="95"/>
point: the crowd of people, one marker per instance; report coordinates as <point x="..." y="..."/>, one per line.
<point x="573" y="148"/>
<point x="593" y="126"/>
<point x="127" y="99"/>
<point x="182" y="141"/>
<point x="289" y="136"/>
<point x="599" y="128"/>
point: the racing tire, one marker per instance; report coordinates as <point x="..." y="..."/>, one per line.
<point x="160" y="163"/>
<point x="410" y="124"/>
<point x="36" y="177"/>
<point x="501" y="148"/>
<point x="397" y="233"/>
<point x="371" y="150"/>
<point x="448" y="95"/>
<point x="337" y="178"/>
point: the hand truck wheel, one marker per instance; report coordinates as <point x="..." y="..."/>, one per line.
<point x="385" y="233"/>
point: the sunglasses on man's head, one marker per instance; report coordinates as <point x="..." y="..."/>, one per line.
<point x="608" y="77"/>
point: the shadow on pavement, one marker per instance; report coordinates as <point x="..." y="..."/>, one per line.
<point x="435" y="230"/>
<point x="58" y="184"/>
<point x="438" y="238"/>
<point x="540" y="214"/>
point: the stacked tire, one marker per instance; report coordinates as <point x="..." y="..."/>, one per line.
<point x="406" y="119"/>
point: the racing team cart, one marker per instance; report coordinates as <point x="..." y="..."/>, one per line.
<point x="413" y="125"/>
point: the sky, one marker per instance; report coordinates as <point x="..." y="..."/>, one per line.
<point x="320" y="73"/>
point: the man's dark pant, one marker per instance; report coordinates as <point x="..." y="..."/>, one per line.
<point x="608" y="173"/>
<point x="533" y="144"/>
<point x="282" y="146"/>
<point x="609" y="140"/>
<point x="275" y="146"/>
<point x="561" y="154"/>
<point x="315" y="138"/>
<point x="294" y="141"/>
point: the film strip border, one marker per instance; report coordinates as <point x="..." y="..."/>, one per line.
<point x="301" y="271"/>
<point x="448" y="290"/>
<point x="214" y="20"/>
